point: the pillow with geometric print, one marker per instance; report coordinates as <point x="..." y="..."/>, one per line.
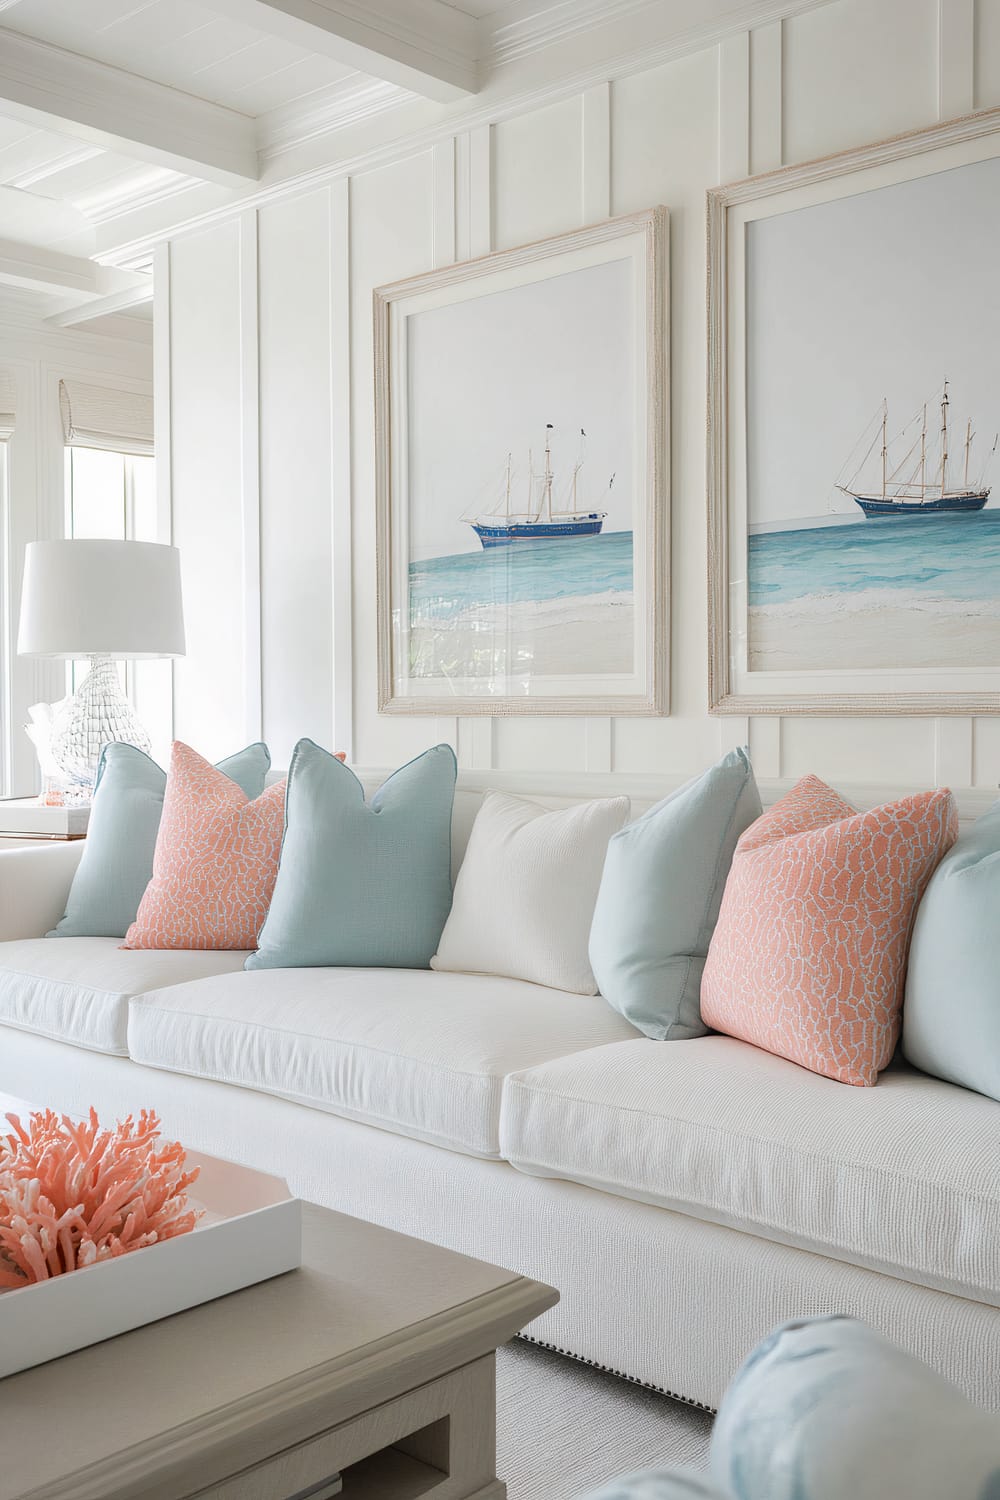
<point x="808" y="959"/>
<point x="215" y="863"/>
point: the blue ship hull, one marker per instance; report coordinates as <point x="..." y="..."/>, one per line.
<point x="874" y="506"/>
<point x="502" y="533"/>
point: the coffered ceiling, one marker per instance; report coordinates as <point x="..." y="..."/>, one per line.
<point x="112" y="107"/>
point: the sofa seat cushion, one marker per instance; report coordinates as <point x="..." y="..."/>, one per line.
<point x="77" y="989"/>
<point x="900" y="1178"/>
<point x="408" y="1050"/>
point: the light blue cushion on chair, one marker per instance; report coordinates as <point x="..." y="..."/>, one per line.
<point x="660" y="896"/>
<point x="828" y="1409"/>
<point x="951" y="1015"/>
<point x="117" y="861"/>
<point x="364" y="885"/>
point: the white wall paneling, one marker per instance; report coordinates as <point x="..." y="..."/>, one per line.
<point x="765" y="97"/>
<point x="297" y="458"/>
<point x="340" y="463"/>
<point x="986" y="53"/>
<point x="793" y="87"/>
<point x="764" y="737"/>
<point x="734" y="107"/>
<point x="250" y="404"/>
<point x="207" y="404"/>
<point x="391" y="236"/>
<point x="595" y="204"/>
<point x="953" y="752"/>
<point x="472" y="206"/>
<point x="858" y="71"/>
<point x="956" y="57"/>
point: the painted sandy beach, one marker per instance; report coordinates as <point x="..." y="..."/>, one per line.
<point x="920" y="592"/>
<point x="539" y="608"/>
<point x="592" y="636"/>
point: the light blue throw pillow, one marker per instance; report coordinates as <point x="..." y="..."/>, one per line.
<point x="660" y="896"/>
<point x="361" y="884"/>
<point x="117" y="861"/>
<point x="951" y="1015"/>
<point x="829" y="1409"/>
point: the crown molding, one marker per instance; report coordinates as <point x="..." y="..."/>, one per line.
<point x="133" y="193"/>
<point x="509" y="35"/>
<point x="356" y="98"/>
<point x="522" y="30"/>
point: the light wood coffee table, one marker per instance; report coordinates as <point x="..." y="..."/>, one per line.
<point x="367" y="1373"/>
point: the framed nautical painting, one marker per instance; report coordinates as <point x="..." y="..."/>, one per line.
<point x="854" y="405"/>
<point x="521" y="475"/>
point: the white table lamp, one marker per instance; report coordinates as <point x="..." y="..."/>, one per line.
<point x="110" y="601"/>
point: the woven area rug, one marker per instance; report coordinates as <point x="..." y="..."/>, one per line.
<point x="563" y="1429"/>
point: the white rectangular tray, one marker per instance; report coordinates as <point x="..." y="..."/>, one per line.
<point x="27" y="816"/>
<point x="251" y="1230"/>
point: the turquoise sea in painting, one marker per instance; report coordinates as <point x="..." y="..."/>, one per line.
<point x="920" y="591"/>
<point x="534" y="571"/>
<point x="557" y="607"/>
<point x="944" y="557"/>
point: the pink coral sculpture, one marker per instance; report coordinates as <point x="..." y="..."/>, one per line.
<point x="72" y="1194"/>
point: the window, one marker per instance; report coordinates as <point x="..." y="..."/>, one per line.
<point x="112" y="494"/>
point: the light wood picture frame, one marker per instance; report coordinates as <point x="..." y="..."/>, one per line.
<point x="861" y="590"/>
<point x="522" y="479"/>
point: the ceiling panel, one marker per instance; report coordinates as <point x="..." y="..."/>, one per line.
<point x="183" y="45"/>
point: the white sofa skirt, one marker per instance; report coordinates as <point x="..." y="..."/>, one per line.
<point x="657" y="1296"/>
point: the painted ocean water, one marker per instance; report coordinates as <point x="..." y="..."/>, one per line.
<point x="919" y="591"/>
<point x="954" y="557"/>
<point x="548" y="608"/>
<point x="524" y="572"/>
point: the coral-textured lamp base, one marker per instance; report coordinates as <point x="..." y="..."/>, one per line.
<point x="97" y="713"/>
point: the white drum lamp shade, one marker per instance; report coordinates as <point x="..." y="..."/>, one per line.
<point x="101" y="598"/>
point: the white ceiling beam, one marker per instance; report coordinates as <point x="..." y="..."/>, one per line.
<point x="423" y="45"/>
<point x="57" y="90"/>
<point x="43" y="270"/>
<point x="103" y="307"/>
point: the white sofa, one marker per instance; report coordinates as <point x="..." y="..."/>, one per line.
<point x="684" y="1197"/>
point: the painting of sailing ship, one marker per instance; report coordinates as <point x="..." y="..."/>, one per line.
<point x="521" y="478"/>
<point x="540" y="520"/>
<point x="920" y="484"/>
<point x="879" y="552"/>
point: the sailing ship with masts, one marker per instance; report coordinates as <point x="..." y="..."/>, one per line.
<point x="541" y="520"/>
<point x="920" y="484"/>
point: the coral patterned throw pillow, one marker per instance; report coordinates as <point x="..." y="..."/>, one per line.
<point x="809" y="956"/>
<point x="215" y="863"/>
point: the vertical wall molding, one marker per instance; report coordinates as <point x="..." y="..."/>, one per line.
<point x="250" y="476"/>
<point x="595" y="172"/>
<point x="956" y="57"/>
<point x="734" y="732"/>
<point x="734" y="107"/>
<point x="341" y="464"/>
<point x="953" y="752"/>
<point x="473" y="214"/>
<point x="764" y="738"/>
<point x="766" y="97"/>
<point x="595" y="204"/>
<point x="481" y="190"/>
<point x="443" y="207"/>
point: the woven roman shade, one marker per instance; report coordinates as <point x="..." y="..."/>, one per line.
<point x="8" y="391"/>
<point x="98" y="416"/>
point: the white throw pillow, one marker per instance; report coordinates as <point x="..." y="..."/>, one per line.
<point x="525" y="895"/>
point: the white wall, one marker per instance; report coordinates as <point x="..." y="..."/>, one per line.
<point x="268" y="340"/>
<point x="39" y="357"/>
